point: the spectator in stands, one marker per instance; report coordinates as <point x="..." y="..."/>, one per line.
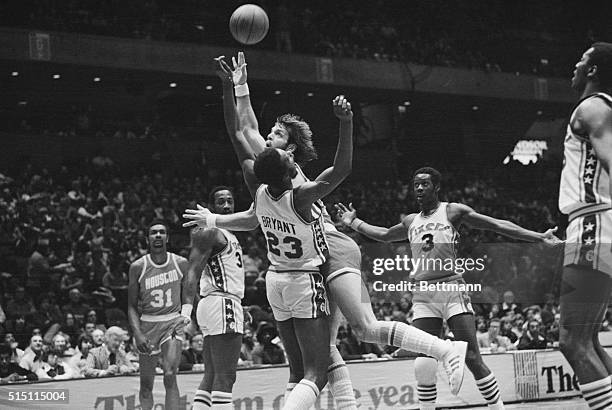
<point x="506" y="330"/>
<point x="47" y="314"/>
<point x="109" y="359"/>
<point x="16" y="352"/>
<point x="192" y="357"/>
<point x="54" y="368"/>
<point x="76" y="306"/>
<point x="267" y="352"/>
<point x="79" y="360"/>
<point x="508" y="305"/>
<point x="21" y="329"/>
<point x="89" y="328"/>
<point x="12" y="372"/>
<point x="552" y="333"/>
<point x="351" y="349"/>
<point x="32" y="359"/>
<point x="97" y="337"/>
<point x="70" y="327"/>
<point x="20" y="305"/>
<point x="532" y="339"/>
<point x="92" y="317"/>
<point x="492" y="340"/>
<point x="246" y="351"/>
<point x="518" y="325"/>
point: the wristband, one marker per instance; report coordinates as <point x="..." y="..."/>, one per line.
<point x="355" y="223"/>
<point x="241" y="90"/>
<point x="211" y="220"/>
<point x="186" y="309"/>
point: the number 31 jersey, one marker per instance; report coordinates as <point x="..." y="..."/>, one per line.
<point x="294" y="245"/>
<point x="433" y="241"/>
<point x="224" y="272"/>
<point x="160" y="286"/>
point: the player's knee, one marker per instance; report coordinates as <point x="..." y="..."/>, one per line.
<point x="146" y="387"/>
<point x="170" y="373"/>
<point x="224" y="382"/>
<point x="472" y="358"/>
<point x="425" y="369"/>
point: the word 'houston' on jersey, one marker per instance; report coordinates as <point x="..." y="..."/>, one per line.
<point x="162" y="279"/>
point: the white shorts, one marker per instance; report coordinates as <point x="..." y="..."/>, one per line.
<point x="589" y="242"/>
<point x="219" y="315"/>
<point x="441" y="304"/>
<point x="299" y="295"/>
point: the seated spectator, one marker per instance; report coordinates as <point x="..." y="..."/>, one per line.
<point x="193" y="358"/>
<point x="98" y="337"/>
<point x="267" y="352"/>
<point x="16" y="352"/>
<point x="552" y="333"/>
<point x="508" y="305"/>
<point x="21" y="329"/>
<point x="492" y="340"/>
<point x="54" y="368"/>
<point x="88" y="329"/>
<point x="12" y="372"/>
<point x="506" y="330"/>
<point x="70" y="327"/>
<point x="79" y="360"/>
<point x="48" y="313"/>
<point x="518" y="325"/>
<point x="76" y="306"/>
<point x="532" y="339"/>
<point x="32" y="359"/>
<point x="109" y="359"/>
<point x="19" y="305"/>
<point x="246" y="350"/>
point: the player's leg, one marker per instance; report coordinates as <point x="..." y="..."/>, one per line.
<point x="202" y="399"/>
<point x="147" y="365"/>
<point x="352" y="297"/>
<point x="605" y="357"/>
<point x="313" y="339"/>
<point x="286" y="332"/>
<point x="225" y="351"/>
<point x="426" y="367"/>
<point x="584" y="292"/>
<point x="338" y="375"/>
<point x="171" y="358"/>
<point x="462" y="326"/>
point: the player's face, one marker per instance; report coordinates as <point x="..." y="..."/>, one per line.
<point x="424" y="189"/>
<point x="278" y="137"/>
<point x="579" y="79"/>
<point x="158" y="236"/>
<point x="224" y="202"/>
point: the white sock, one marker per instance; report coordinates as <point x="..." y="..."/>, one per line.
<point x="340" y="382"/>
<point x="302" y="397"/>
<point x="222" y="400"/>
<point x="407" y="337"/>
<point x="598" y="394"/>
<point x="202" y="400"/>
<point x="425" y="369"/>
<point x="289" y="389"/>
<point x="490" y="391"/>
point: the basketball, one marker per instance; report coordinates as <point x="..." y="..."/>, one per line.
<point x="249" y="24"/>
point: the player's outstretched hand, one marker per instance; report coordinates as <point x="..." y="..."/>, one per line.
<point x="142" y="343"/>
<point x="549" y="237"/>
<point x="198" y="217"/>
<point x="239" y="73"/>
<point x="342" y="108"/>
<point x="346" y="215"/>
<point x="223" y="70"/>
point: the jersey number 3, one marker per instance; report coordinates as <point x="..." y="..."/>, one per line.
<point x="158" y="294"/>
<point x="428" y="243"/>
<point x="296" y="246"/>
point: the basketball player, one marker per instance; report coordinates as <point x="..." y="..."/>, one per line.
<point x="154" y="290"/>
<point x="584" y="194"/>
<point x="433" y="235"/>
<point x="343" y="270"/>
<point x="216" y="261"/>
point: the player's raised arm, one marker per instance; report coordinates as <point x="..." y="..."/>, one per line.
<point x="246" y="115"/>
<point x="142" y="344"/>
<point x="241" y="147"/>
<point x="595" y="118"/>
<point x="330" y="178"/>
<point x="239" y="221"/>
<point x="475" y="220"/>
<point x="399" y="232"/>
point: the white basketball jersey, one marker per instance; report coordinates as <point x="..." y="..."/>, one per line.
<point x="224" y="271"/>
<point x="433" y="241"/>
<point x="294" y="245"/>
<point x="584" y="181"/>
<point x="318" y="208"/>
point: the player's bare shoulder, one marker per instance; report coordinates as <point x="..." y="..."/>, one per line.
<point x="136" y="267"/>
<point x="408" y="219"/>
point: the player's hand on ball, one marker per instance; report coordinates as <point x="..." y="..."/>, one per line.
<point x="346" y="215"/>
<point x="550" y="239"/>
<point x="223" y="70"/>
<point x="197" y="217"/>
<point x="239" y="73"/>
<point x="342" y="108"/>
